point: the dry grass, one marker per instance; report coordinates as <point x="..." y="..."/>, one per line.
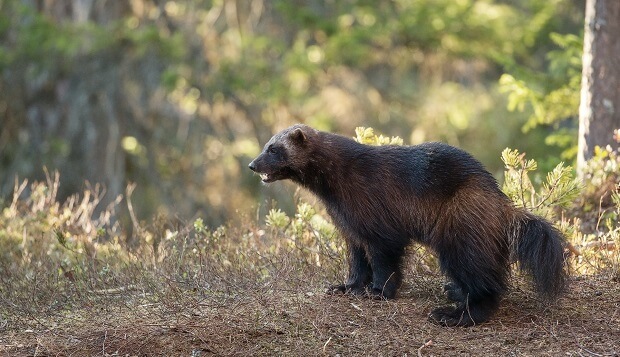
<point x="71" y="288"/>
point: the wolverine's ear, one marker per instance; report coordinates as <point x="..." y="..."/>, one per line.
<point x="298" y="135"/>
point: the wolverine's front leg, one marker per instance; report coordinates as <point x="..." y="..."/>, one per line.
<point x="386" y="271"/>
<point x="360" y="273"/>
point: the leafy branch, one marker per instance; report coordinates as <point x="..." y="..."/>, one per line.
<point x="558" y="190"/>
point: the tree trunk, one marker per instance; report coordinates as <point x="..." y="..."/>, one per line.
<point x="599" y="111"/>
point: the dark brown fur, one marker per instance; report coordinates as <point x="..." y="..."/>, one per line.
<point x="383" y="198"/>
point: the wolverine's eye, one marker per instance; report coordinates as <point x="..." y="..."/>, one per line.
<point x="272" y="150"/>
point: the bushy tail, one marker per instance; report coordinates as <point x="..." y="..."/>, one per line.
<point x="540" y="250"/>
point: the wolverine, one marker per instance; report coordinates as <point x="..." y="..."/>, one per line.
<point x="383" y="198"/>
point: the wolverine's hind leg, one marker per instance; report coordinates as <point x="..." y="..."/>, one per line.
<point x="472" y="306"/>
<point x="478" y="280"/>
<point x="453" y="292"/>
<point x="360" y="273"/>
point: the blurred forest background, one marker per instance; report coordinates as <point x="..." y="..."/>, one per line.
<point x="178" y="96"/>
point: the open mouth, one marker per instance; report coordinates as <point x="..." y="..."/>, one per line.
<point x="265" y="177"/>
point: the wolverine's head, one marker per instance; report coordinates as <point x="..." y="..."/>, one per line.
<point x="284" y="155"/>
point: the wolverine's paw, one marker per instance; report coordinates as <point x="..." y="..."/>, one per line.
<point x="336" y="289"/>
<point x="380" y="294"/>
<point x="346" y="290"/>
<point x="463" y="314"/>
<point x="450" y="316"/>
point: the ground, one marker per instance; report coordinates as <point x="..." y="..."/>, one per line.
<point x="295" y="318"/>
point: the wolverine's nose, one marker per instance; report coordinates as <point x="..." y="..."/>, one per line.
<point x="252" y="166"/>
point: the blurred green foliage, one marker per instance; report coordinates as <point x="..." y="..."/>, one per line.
<point x="553" y="95"/>
<point x="196" y="87"/>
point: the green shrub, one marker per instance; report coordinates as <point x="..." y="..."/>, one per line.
<point x="558" y="190"/>
<point x="313" y="236"/>
<point x="367" y="136"/>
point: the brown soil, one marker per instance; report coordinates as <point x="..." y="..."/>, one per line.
<point x="273" y="320"/>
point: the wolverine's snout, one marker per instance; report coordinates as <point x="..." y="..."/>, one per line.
<point x="252" y="166"/>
